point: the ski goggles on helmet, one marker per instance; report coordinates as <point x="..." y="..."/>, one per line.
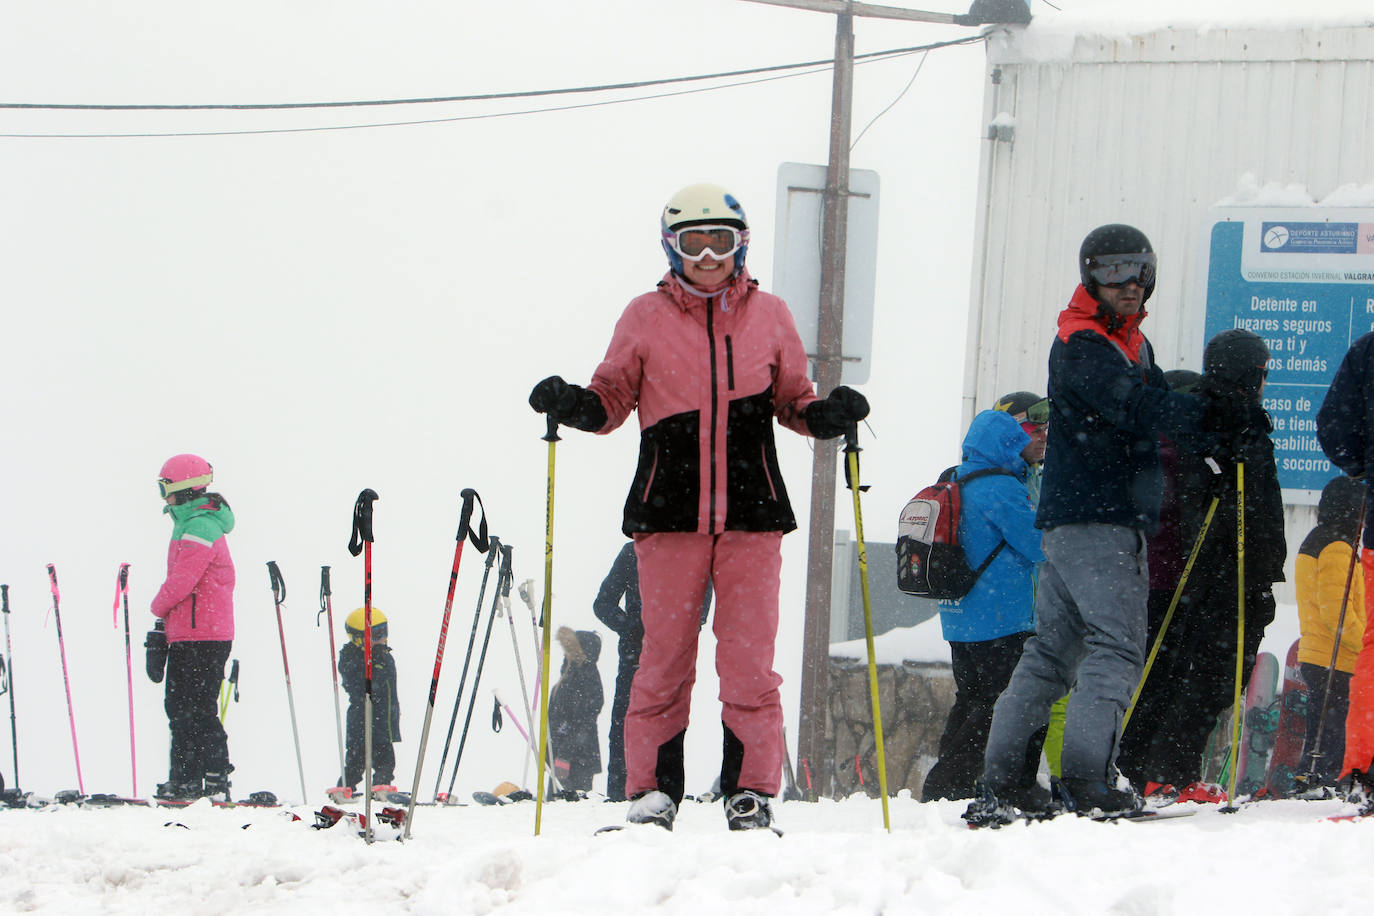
<point x="1116" y="270"/>
<point x="1038" y="413"/>
<point x="695" y="242"/>
<point x="166" y="488"/>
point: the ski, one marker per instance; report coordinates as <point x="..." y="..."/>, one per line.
<point x="616" y="828"/>
<point x="254" y="800"/>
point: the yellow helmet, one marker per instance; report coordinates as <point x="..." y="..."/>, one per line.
<point x="355" y="621"/>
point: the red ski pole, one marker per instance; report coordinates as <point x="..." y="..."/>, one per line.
<point x="66" y="681"/>
<point x="122" y="592"/>
<point x="361" y="542"/>
<point x="479" y="540"/>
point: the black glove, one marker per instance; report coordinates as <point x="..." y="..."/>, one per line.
<point x="571" y="405"/>
<point x="156" y="644"/>
<point x="832" y="416"/>
<point x="1225" y="411"/>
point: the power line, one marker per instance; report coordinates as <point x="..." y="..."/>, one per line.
<point x="484" y="97"/>
<point x="803" y="69"/>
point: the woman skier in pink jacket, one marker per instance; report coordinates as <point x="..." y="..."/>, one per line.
<point x="709" y="360"/>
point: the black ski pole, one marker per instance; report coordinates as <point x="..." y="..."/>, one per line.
<point x="327" y="609"/>
<point x="480" y="541"/>
<point x="361" y="542"/>
<point x="9" y="679"/>
<point x="278" y="598"/>
<point x="503" y="583"/>
<point x="1311" y="777"/>
<point x="66" y="681"/>
<point x="493" y="552"/>
<point x="122" y="591"/>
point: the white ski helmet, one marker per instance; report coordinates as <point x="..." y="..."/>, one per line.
<point x="699" y="205"/>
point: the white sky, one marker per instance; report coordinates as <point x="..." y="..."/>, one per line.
<point x="318" y="312"/>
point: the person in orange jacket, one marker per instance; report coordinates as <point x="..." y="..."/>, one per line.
<point x="1324" y="568"/>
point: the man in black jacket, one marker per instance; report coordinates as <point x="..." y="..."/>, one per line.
<point x="1101" y="495"/>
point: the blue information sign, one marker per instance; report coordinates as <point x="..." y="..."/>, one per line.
<point x="1304" y="281"/>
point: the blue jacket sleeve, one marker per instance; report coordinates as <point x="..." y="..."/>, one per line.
<point x="1010" y="512"/>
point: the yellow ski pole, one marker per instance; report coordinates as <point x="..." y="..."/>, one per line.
<point x="851" y="478"/>
<point x="1237" y="710"/>
<point x="1169" y="614"/>
<point x="550" y="437"/>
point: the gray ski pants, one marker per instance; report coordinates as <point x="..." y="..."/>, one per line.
<point x="1090" y="634"/>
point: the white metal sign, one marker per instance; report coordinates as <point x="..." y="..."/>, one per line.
<point x="797" y="261"/>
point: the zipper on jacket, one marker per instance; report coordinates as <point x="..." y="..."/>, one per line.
<point x="715" y="394"/>
<point x="729" y="363"/>
<point x="193" y="610"/>
<point x="767" y="475"/>
<point x="649" y="482"/>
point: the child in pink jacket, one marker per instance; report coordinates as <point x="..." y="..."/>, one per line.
<point x="196" y="607"/>
<point x="708" y="360"/>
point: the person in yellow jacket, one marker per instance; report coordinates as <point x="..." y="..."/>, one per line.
<point x="1323" y="568"/>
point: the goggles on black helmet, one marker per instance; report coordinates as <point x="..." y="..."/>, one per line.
<point x="695" y="242"/>
<point x="1039" y="412"/>
<point x="1116" y="270"/>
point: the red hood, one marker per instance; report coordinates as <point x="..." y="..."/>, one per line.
<point x="1084" y="313"/>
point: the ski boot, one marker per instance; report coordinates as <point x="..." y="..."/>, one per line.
<point x="748" y="810"/>
<point x="217" y="786"/>
<point x="178" y="791"/>
<point x="1361" y="792"/>
<point x="652" y="808"/>
<point x="1094" y="798"/>
<point x="996" y="806"/>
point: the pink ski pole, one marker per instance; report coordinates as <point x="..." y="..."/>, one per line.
<point x="122" y="591"/>
<point x="66" y="682"/>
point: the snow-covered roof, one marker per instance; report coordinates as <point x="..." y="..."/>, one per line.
<point x="1197" y="29"/>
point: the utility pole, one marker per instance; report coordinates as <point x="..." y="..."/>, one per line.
<point x="829" y="363"/>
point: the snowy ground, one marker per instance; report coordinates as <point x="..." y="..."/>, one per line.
<point x="1272" y="857"/>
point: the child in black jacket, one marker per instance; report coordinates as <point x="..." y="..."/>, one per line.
<point x="386" y="708"/>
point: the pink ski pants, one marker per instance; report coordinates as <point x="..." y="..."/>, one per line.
<point x="744" y="568"/>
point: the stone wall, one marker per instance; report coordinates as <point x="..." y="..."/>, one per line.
<point x="915" y="699"/>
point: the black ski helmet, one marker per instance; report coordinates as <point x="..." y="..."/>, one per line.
<point x="1113" y="239"/>
<point x="1239" y="357"/>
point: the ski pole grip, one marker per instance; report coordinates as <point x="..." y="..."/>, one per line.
<point x="324" y="593"/>
<point x="507" y="576"/>
<point x="494" y="553"/>
<point x="52" y="577"/>
<point x="479" y="540"/>
<point x="278" y="583"/>
<point x="362" y="521"/>
<point x="5" y="599"/>
<point x="552" y="428"/>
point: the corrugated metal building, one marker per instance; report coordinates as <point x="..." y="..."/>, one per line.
<point x="1150" y="129"/>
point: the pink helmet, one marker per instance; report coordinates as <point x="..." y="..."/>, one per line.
<point x="184" y="472"/>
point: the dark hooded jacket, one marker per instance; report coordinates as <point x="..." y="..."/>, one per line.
<point x="575" y="701"/>
<point x="1345" y="422"/>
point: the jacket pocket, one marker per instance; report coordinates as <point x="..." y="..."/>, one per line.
<point x="729" y="363"/>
